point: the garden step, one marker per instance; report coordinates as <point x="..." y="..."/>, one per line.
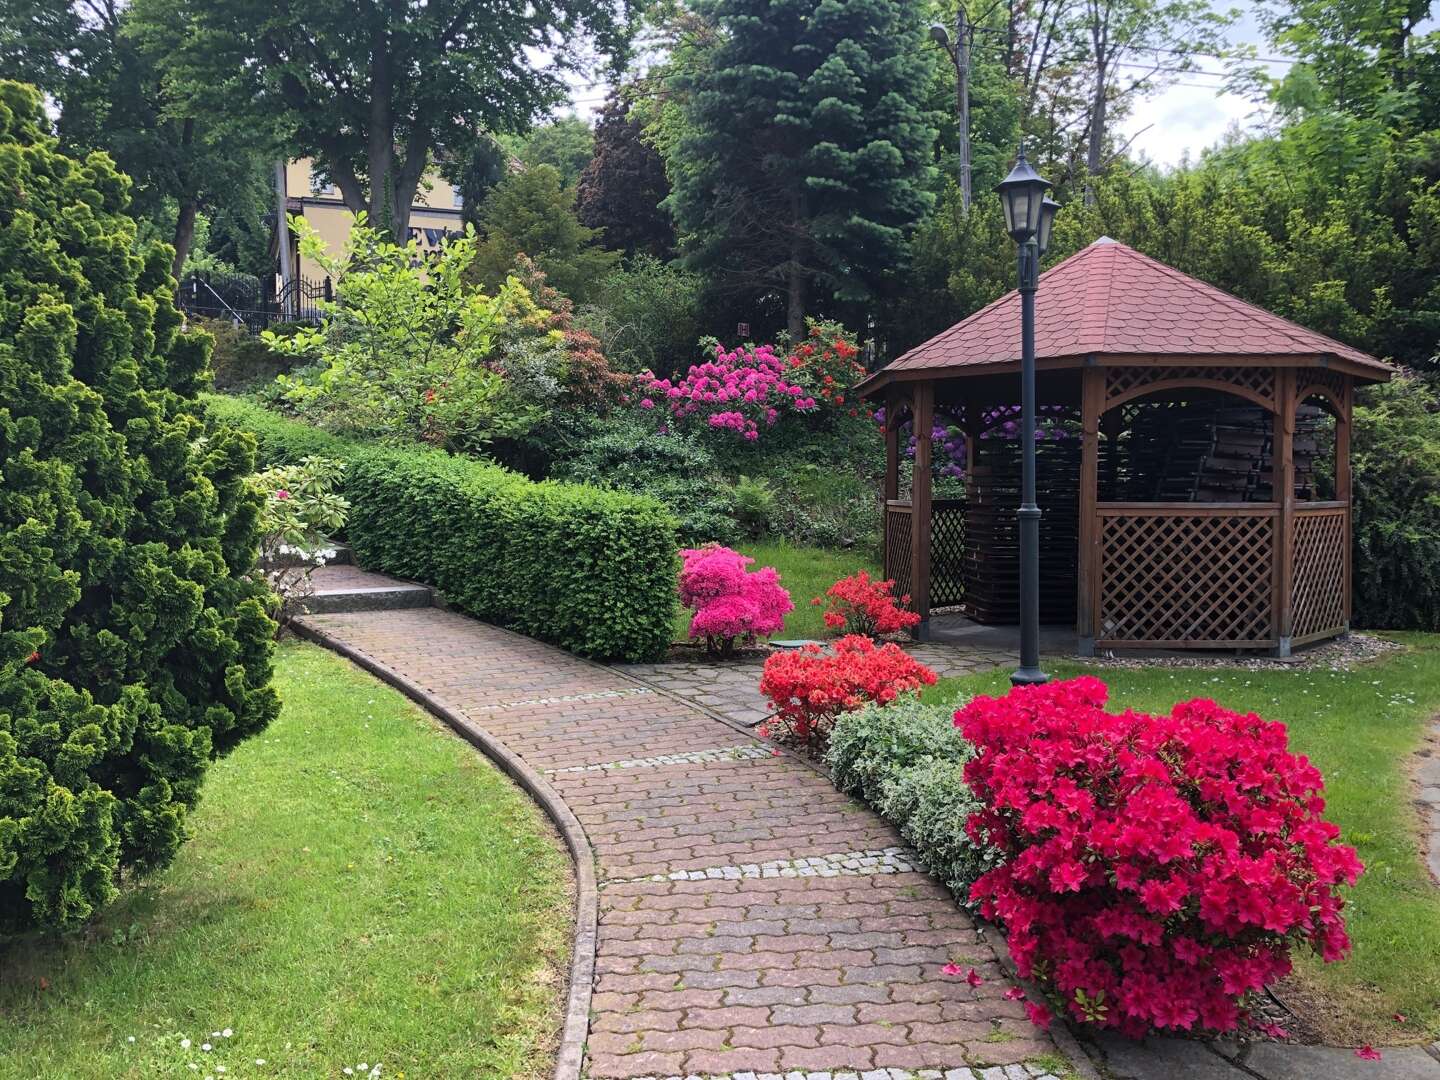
<point x="342" y="587"/>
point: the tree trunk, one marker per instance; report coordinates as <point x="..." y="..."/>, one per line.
<point x="795" y="311"/>
<point x="184" y="235"/>
<point x="1094" y="157"/>
<point x="380" y="149"/>
<point x="189" y="205"/>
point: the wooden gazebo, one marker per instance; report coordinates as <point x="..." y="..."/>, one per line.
<point x="1193" y="470"/>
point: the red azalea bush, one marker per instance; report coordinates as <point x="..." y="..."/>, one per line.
<point x="810" y="687"/>
<point x="827" y="363"/>
<point x="1158" y="868"/>
<point x="862" y="606"/>
<point x="730" y="603"/>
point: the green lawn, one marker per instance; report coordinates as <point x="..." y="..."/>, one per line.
<point x="807" y="573"/>
<point x="1361" y="728"/>
<point x="361" y="887"/>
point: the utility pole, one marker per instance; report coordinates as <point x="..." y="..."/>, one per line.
<point x="282" y="234"/>
<point x="962" y="90"/>
<point x="959" y="53"/>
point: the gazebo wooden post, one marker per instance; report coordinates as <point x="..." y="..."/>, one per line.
<point x="922" y="421"/>
<point x="892" y="448"/>
<point x="890" y="489"/>
<point x="1343" y="485"/>
<point x="1092" y="401"/>
<point x="1282" y="481"/>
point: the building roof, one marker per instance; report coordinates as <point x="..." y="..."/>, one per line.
<point x="1108" y="300"/>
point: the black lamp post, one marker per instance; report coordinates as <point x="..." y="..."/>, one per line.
<point x="1029" y="214"/>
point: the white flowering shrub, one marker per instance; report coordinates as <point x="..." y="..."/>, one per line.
<point x="301" y="509"/>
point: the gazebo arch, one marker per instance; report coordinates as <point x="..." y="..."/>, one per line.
<point x="1181" y="511"/>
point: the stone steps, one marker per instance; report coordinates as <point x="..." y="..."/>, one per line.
<point x="342" y="587"/>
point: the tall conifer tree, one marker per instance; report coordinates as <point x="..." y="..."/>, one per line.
<point x="804" y="155"/>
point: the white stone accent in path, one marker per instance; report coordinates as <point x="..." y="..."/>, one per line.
<point x="890" y="860"/>
<point x="693" y="757"/>
<point x="597" y="695"/>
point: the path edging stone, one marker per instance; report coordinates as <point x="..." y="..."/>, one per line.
<point x="570" y="1054"/>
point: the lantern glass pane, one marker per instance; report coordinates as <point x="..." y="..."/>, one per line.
<point x="1047" y="223"/>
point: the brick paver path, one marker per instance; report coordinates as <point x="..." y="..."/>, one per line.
<point x="753" y="920"/>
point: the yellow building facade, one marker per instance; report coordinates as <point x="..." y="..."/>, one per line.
<point x="435" y="214"/>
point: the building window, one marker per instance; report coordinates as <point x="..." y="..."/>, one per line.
<point x="459" y="200"/>
<point x="321" y="186"/>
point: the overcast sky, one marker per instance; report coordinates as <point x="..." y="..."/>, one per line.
<point x="1196" y="112"/>
<point x="1186" y="117"/>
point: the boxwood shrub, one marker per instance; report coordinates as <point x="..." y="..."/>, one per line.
<point x="590" y="570"/>
<point x="907" y="761"/>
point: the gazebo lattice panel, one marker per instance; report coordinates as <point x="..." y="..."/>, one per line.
<point x="947" y="553"/>
<point x="1307" y="379"/>
<point x="1318" y="548"/>
<point x="1173" y="578"/>
<point x="1120" y="381"/>
<point x="897" y="549"/>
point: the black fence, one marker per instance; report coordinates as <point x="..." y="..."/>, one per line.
<point x="243" y="300"/>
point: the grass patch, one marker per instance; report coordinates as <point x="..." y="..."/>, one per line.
<point x="1362" y="728"/>
<point x="360" y="886"/>
<point x="807" y="572"/>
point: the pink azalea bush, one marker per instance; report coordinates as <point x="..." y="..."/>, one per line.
<point x="730" y="603"/>
<point x="1158" y="869"/>
<point x="741" y="391"/>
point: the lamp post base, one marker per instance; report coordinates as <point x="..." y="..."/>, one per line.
<point x="1028" y="676"/>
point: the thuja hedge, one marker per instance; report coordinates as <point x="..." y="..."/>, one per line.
<point x="588" y="569"/>
<point x="133" y="647"/>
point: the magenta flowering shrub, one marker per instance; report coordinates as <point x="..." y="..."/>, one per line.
<point x="741" y="390"/>
<point x="1157" y="869"/>
<point x="730" y="602"/>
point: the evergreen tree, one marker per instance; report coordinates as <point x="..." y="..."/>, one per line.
<point x="567" y="143"/>
<point x="533" y="213"/>
<point x="133" y="648"/>
<point x="624" y="185"/>
<point x="803" y="159"/>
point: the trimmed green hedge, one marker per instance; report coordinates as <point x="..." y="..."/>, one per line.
<point x="590" y="570"/>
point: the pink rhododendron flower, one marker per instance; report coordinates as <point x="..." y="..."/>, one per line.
<point x="748" y="387"/>
<point x="1368" y="1053"/>
<point x="951" y="969"/>
<point x="1039" y="1015"/>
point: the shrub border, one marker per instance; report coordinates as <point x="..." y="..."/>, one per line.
<point x="575" y="1027"/>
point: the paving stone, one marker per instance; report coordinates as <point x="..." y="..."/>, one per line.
<point x="1279" y="1061"/>
<point x="1163" y="1059"/>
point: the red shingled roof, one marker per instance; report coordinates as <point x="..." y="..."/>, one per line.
<point x="1109" y="299"/>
